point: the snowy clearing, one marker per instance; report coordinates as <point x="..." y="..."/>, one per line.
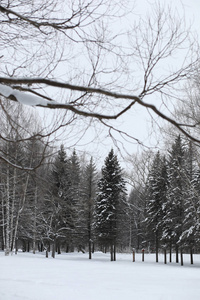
<point x="73" y="276"/>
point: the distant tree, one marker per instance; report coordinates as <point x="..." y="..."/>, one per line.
<point x="74" y="200"/>
<point x="112" y="192"/>
<point x="60" y="224"/>
<point x="65" y="189"/>
<point x="190" y="237"/>
<point x="136" y="230"/>
<point x="37" y="187"/>
<point x="89" y="190"/>
<point x="18" y="159"/>
<point x="174" y="207"/>
<point x="155" y="199"/>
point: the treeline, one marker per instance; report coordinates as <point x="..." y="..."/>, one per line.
<point x="172" y="202"/>
<point x="66" y="204"/>
<point x="63" y="205"/>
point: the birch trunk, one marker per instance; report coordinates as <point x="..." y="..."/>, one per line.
<point x="7" y="235"/>
<point x="12" y="210"/>
<point x="20" y="210"/>
<point x="35" y="223"/>
<point x="3" y="226"/>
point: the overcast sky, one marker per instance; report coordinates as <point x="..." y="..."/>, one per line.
<point x="191" y="10"/>
<point x="139" y="124"/>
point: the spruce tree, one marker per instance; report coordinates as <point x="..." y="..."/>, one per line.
<point x="89" y="189"/>
<point x="174" y="207"/>
<point x="155" y="198"/>
<point x="74" y="201"/>
<point x="111" y="194"/>
<point x="190" y="237"/>
<point x="59" y="205"/>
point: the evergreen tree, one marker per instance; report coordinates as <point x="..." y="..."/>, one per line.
<point x="155" y="198"/>
<point x="111" y="194"/>
<point x="174" y="207"/>
<point x="59" y="221"/>
<point x="89" y="189"/>
<point x="74" y="201"/>
<point x="66" y="199"/>
<point x="136" y="218"/>
<point x="190" y="237"/>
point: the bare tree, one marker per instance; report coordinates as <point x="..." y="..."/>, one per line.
<point x="70" y="57"/>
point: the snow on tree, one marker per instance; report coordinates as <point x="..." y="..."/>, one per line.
<point x="89" y="190"/>
<point x="174" y="207"/>
<point x="111" y="195"/>
<point x="136" y="202"/>
<point x="155" y="198"/>
<point x="18" y="153"/>
<point x="190" y="237"/>
<point x="65" y="188"/>
<point x="33" y="61"/>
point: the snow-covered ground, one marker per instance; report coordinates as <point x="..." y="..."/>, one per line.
<point x="74" y="276"/>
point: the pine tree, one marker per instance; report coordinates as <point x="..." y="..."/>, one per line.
<point x="111" y="194"/>
<point x="89" y="189"/>
<point x="74" y="201"/>
<point x="58" y="221"/>
<point x="190" y="236"/>
<point x="155" y="198"/>
<point x="174" y="207"/>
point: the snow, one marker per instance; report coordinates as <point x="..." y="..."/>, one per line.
<point x="22" y="97"/>
<point x="73" y="276"/>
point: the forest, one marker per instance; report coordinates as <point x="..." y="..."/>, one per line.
<point x="106" y="70"/>
<point x="62" y="202"/>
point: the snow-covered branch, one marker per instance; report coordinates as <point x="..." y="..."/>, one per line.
<point x="33" y="100"/>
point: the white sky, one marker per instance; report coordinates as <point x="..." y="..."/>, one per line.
<point x="143" y="128"/>
<point x="138" y="123"/>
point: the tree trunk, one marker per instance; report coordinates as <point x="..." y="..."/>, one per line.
<point x="177" y="260"/>
<point x="20" y="210"/>
<point x="2" y="244"/>
<point x="89" y="221"/>
<point x="24" y="246"/>
<point x="165" y="256"/>
<point x="58" y="247"/>
<point x="34" y="222"/>
<point x="28" y="246"/>
<point x="53" y="249"/>
<point x="156" y="248"/>
<point x="16" y="246"/>
<point x="181" y="257"/>
<point x="114" y="248"/>
<point x="3" y="225"/>
<point x="111" y="253"/>
<point x="130" y="234"/>
<point x="191" y="256"/>
<point x="7" y="235"/>
<point x="90" y="249"/>
<point x="12" y="211"/>
<point x="170" y="253"/>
